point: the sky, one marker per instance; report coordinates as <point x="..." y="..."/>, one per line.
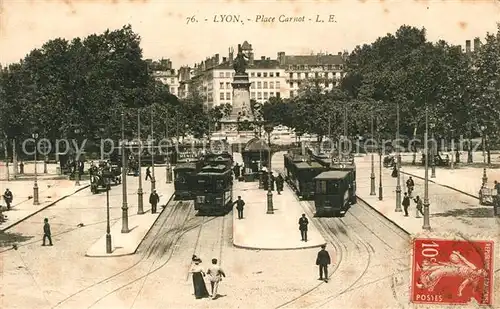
<point x="165" y="31"/>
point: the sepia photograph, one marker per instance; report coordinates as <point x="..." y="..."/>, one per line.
<point x="249" y="154"/>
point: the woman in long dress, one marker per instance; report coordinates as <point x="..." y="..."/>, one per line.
<point x="200" y="289"/>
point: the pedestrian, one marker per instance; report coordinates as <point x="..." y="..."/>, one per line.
<point x="279" y="183"/>
<point x="272" y="180"/>
<point x="7" y="196"/>
<point x="406" y="203"/>
<point x="395" y="171"/>
<point x="323" y="260"/>
<point x="200" y="289"/>
<point x="303" y="222"/>
<point x="46" y="232"/>
<point x="410" y="185"/>
<point x="236" y="171"/>
<point x="154" y="199"/>
<point x="418" y="201"/>
<point x="215" y="274"/>
<point x="240" y="204"/>
<point x="148" y="172"/>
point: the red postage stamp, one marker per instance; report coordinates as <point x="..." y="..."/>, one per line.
<point x="452" y="271"/>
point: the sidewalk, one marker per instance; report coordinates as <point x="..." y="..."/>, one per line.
<point x="127" y="243"/>
<point x="50" y="192"/>
<point x="466" y="180"/>
<point x="278" y="231"/>
<point x="450" y="210"/>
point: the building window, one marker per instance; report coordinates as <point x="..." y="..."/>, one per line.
<point x="271" y="74"/>
<point x="317" y="75"/>
<point x="228" y="85"/>
<point x="265" y="85"/>
<point x="278" y="85"/>
<point x="252" y="95"/>
<point x="252" y="74"/>
<point x="278" y="95"/>
<point x="306" y="75"/>
<point x="228" y="74"/>
<point x="252" y="85"/>
<point x="259" y="85"/>
<point x="228" y="95"/>
<point x="291" y="75"/>
<point x="172" y="90"/>
<point x="271" y="85"/>
<point x="259" y="95"/>
<point x="221" y="85"/>
<point x="266" y="95"/>
<point x="291" y="85"/>
<point x="265" y="74"/>
<point x="172" y="81"/>
<point x="291" y="94"/>
<point x="221" y="74"/>
<point x="271" y="94"/>
<point x="277" y="74"/>
<point x="258" y="74"/>
<point x="222" y="95"/>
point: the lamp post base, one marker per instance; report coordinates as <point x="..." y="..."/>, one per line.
<point x="398" y="199"/>
<point x="125" y="219"/>
<point x="153" y="184"/>
<point x="140" y="202"/>
<point x="372" y="184"/>
<point x="109" y="249"/>
<point x="485" y="177"/>
<point x="380" y="190"/>
<point x="433" y="172"/>
<point x="35" y="194"/>
<point x="427" y="224"/>
<point x="270" y="209"/>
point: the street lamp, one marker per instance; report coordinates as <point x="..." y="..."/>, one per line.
<point x="398" y="165"/>
<point x="108" y="227"/>
<point x="427" y="225"/>
<point x="153" y="181"/>
<point x="124" y="182"/>
<point x="35" y="185"/>
<point x="270" y="210"/>
<point x="168" y="166"/>
<point x="372" y="176"/>
<point x="77" y="178"/>
<point x="140" y="200"/>
<point x="380" y="150"/>
<point x="485" y="177"/>
<point x="433" y="153"/>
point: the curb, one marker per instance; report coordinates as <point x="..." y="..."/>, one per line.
<point x="142" y="240"/>
<point x="43" y="208"/>
<point x="392" y="221"/>
<point x="276" y="249"/>
<point x="445" y="186"/>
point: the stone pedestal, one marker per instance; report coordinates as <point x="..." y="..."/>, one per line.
<point x="241" y="98"/>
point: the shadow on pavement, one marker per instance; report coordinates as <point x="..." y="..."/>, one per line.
<point x="477" y="212"/>
<point x="8" y="239"/>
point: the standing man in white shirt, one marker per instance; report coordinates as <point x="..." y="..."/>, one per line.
<point x="215" y="274"/>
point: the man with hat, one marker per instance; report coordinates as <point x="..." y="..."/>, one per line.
<point x="323" y="260"/>
<point x="7" y="196"/>
<point x="154" y="199"/>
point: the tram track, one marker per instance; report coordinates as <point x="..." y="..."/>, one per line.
<point x="349" y="237"/>
<point x="154" y="236"/>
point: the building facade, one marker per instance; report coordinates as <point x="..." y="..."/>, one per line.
<point x="281" y="77"/>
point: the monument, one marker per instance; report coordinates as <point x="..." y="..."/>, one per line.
<point x="241" y="110"/>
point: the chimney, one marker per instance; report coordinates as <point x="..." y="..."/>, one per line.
<point x="281" y="58"/>
<point x="263" y="58"/>
<point x="217" y="59"/>
<point x="339" y="53"/>
<point x="460" y="48"/>
<point x="224" y="59"/>
<point x="268" y="58"/>
<point x="231" y="55"/>
<point x="477" y="44"/>
<point x="467" y="46"/>
<point x="250" y="60"/>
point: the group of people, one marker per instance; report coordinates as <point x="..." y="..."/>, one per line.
<point x="410" y="185"/>
<point x="214" y="273"/>
<point x="7" y="197"/>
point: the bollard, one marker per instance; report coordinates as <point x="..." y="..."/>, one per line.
<point x="21" y="168"/>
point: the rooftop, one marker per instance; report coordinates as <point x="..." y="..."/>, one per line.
<point x="332" y="175"/>
<point x="313" y="59"/>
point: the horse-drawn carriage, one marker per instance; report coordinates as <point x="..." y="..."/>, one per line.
<point x="102" y="175"/>
<point x="133" y="166"/>
<point x="389" y="160"/>
<point x="442" y="159"/>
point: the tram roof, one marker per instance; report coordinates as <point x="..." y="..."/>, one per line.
<point x="214" y="169"/>
<point x="332" y="175"/>
<point x="305" y="165"/>
<point x="190" y="165"/>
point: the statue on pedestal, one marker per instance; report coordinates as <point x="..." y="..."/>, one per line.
<point x="240" y="62"/>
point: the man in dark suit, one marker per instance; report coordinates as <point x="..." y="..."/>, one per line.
<point x="46" y="232"/>
<point x="303" y="222"/>
<point x="240" y="204"/>
<point x="154" y="199"/>
<point x="323" y="260"/>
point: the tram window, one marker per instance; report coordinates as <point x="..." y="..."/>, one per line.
<point x="333" y="187"/>
<point x="321" y="186"/>
<point x="220" y="184"/>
